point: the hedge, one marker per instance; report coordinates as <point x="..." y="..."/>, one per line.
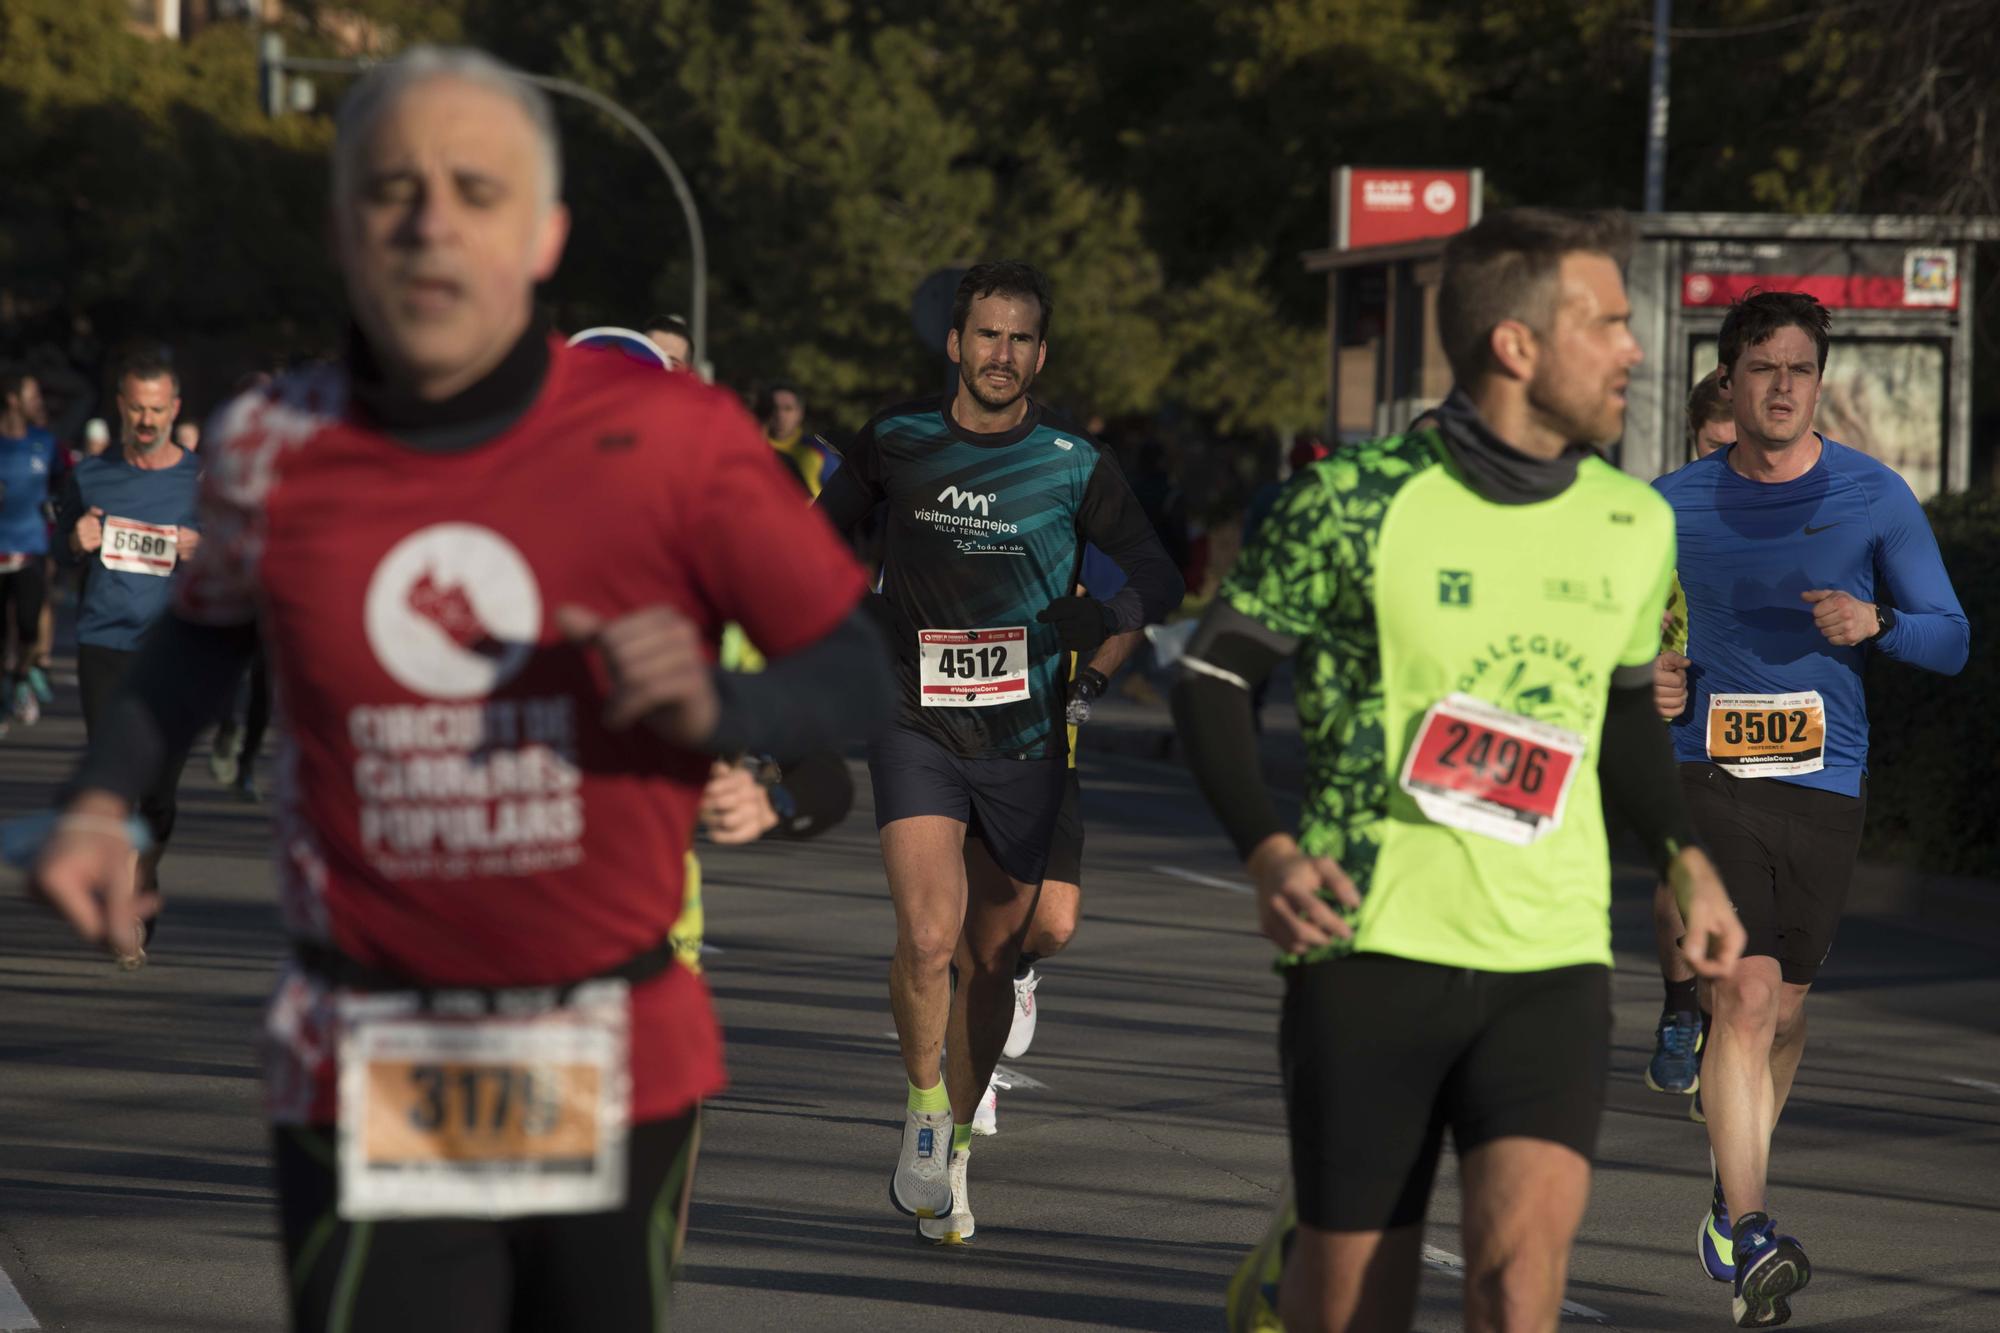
<point x="1934" y="747"/>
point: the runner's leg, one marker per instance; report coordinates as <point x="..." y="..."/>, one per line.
<point x="998" y="907"/>
<point x="1738" y="1091"/>
<point x="1524" y="1200"/>
<point x="925" y="859"/>
<point x="1351" y="1281"/>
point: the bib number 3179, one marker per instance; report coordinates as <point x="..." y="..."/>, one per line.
<point x="1487" y="771"/>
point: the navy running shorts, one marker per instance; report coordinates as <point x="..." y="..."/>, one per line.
<point x="1009" y="804"/>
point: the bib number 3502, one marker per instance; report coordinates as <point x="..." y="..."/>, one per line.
<point x="972" y="668"/>
<point x="1485" y="770"/>
<point x="1767" y="735"/>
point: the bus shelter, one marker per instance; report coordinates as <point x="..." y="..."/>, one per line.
<point x="1898" y="382"/>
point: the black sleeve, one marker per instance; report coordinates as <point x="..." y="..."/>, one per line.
<point x="1636" y="769"/>
<point x="1113" y="521"/>
<point x="822" y="793"/>
<point x="175" y="688"/>
<point x="854" y="490"/>
<point x="1228" y="658"/>
<point x="838" y="689"/>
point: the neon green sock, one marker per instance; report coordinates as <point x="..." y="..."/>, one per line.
<point x="961" y="1138"/>
<point x="929" y="1100"/>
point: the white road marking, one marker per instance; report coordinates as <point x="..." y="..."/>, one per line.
<point x="1978" y="1083"/>
<point x="15" y="1316"/>
<point x="1446" y="1261"/>
<point x="1195" y="877"/>
<point x="1019" y="1079"/>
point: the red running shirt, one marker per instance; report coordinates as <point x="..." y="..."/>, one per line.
<point x="450" y="806"/>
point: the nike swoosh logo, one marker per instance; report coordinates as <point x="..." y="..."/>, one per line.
<point x="1810" y="529"/>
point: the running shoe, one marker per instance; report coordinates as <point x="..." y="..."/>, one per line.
<point x="922" y="1184"/>
<point x="245" y="788"/>
<point x="130" y="951"/>
<point x="1769" y="1269"/>
<point x="223" y="754"/>
<point x="956" y="1227"/>
<point x="27" y="708"/>
<point x="1252" y="1304"/>
<point x="986" y="1120"/>
<point x="38" y="681"/>
<point x="1715" y="1242"/>
<point x="1022" y="1034"/>
<point x="1676" y="1064"/>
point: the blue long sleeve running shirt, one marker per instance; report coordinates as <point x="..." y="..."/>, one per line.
<point x="1747" y="551"/>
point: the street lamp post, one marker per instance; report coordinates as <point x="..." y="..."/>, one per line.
<point x="274" y="64"/>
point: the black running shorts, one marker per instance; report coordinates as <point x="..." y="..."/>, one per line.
<point x="598" y="1271"/>
<point x="1066" y="843"/>
<point x="1381" y="1055"/>
<point x="1009" y="804"/>
<point x="1786" y="854"/>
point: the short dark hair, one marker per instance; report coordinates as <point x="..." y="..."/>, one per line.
<point x="1705" y="404"/>
<point x="1002" y="277"/>
<point x="671" y="323"/>
<point x="1505" y="268"/>
<point x="767" y="397"/>
<point x="12" y="380"/>
<point x="146" y="364"/>
<point x="1758" y="316"/>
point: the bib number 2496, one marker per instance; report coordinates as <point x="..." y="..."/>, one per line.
<point x="1485" y="770"/>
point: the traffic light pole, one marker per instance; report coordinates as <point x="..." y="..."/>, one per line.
<point x="274" y="64"/>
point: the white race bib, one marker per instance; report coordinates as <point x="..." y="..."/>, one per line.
<point x="1485" y="770"/>
<point x="484" y="1116"/>
<point x="1767" y="735"/>
<point x="133" y="547"/>
<point x="972" y="668"/>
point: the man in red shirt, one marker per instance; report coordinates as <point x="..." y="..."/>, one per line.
<point x="499" y="717"/>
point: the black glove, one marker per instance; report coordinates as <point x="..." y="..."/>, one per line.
<point x="1081" y="623"/>
<point x="1083" y="691"/>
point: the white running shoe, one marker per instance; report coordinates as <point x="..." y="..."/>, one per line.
<point x="986" y="1120"/>
<point x="1022" y="1034"/>
<point x="957" y="1228"/>
<point x="922" y="1184"/>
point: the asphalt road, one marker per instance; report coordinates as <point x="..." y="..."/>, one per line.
<point x="1140" y="1153"/>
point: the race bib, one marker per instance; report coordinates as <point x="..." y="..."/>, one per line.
<point x="1767" y="735"/>
<point x="1485" y="770"/>
<point x="133" y="547"/>
<point x="484" y="1116"/>
<point x="972" y="668"/>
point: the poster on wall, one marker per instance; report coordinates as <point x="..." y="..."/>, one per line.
<point x="1883" y="396"/>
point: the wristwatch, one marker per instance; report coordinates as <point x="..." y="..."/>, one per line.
<point x="1885" y="620"/>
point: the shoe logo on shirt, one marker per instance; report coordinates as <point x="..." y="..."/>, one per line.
<point x="1454" y="587"/>
<point x="1811" y="530"/>
<point x="453" y="611"/>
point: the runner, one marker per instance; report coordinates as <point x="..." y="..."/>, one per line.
<point x="1793" y="551"/>
<point x="1677" y="1044"/>
<point x="782" y="409"/>
<point x="1059" y="904"/>
<point x="29" y="462"/>
<point x="129" y="515"/>
<point x="482" y="1059"/>
<point x="1474" y="609"/>
<point x="990" y="501"/>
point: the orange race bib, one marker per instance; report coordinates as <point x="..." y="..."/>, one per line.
<point x="1767" y="735"/>
<point x="484" y="1116"/>
<point x="1485" y="770"/>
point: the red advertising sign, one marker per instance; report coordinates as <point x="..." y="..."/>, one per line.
<point x="1870" y="275"/>
<point x="1387" y="206"/>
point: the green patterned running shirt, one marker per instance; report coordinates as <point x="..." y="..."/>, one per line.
<point x="1404" y="587"/>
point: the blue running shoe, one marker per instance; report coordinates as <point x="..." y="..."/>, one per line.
<point x="1769" y="1269"/>
<point x="1675" y="1067"/>
<point x="1716" y="1242"/>
<point x="38" y="681"/>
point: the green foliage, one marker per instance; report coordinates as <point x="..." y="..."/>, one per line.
<point x="1933" y="800"/>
